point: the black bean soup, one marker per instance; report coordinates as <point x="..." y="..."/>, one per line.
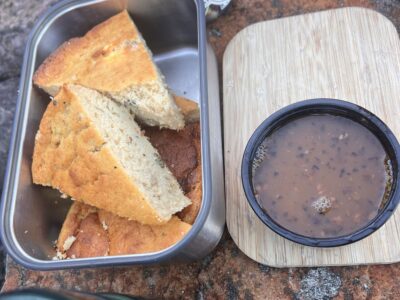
<point x="321" y="176"/>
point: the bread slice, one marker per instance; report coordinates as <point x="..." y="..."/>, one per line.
<point x="91" y="149"/>
<point x="181" y="152"/>
<point x="113" y="59"/>
<point x="91" y="232"/>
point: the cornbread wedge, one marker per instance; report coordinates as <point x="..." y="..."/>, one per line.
<point x="91" y="149"/>
<point x="90" y="232"/>
<point x="113" y="59"/>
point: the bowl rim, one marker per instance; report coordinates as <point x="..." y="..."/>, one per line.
<point x="324" y="106"/>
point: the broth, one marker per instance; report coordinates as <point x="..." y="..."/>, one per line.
<point x="321" y="176"/>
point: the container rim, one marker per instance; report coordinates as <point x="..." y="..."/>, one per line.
<point x="11" y="177"/>
<point x="327" y="106"/>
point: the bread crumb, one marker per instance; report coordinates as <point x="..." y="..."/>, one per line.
<point x="26" y="231"/>
<point x="64" y="196"/>
<point x="59" y="256"/>
<point x="105" y="227"/>
<point x="68" y="242"/>
<point x="38" y="135"/>
<point x="73" y="256"/>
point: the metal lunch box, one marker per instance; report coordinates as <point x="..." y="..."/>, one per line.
<point x="31" y="215"/>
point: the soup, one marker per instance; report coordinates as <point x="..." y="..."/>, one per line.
<point x="321" y="176"/>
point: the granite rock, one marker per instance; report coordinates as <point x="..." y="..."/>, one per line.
<point x="8" y="92"/>
<point x="16" y="20"/>
<point x="319" y="284"/>
<point x="226" y="273"/>
<point x="11" y="51"/>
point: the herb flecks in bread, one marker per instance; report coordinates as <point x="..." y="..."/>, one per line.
<point x="113" y="59"/>
<point x="91" y="149"/>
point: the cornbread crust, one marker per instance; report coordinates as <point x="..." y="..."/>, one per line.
<point x="71" y="155"/>
<point x="189" y="109"/>
<point x="106" y="58"/>
<point x="130" y="237"/>
<point x="194" y="181"/>
<point x="113" y="59"/>
<point x="90" y="239"/>
<point x="181" y="151"/>
<point x="107" y="234"/>
<point x="189" y="213"/>
<point x="77" y="212"/>
<point x="98" y="232"/>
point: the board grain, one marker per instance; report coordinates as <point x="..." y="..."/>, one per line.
<point x="351" y="54"/>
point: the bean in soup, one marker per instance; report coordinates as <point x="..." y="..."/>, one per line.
<point x="321" y="176"/>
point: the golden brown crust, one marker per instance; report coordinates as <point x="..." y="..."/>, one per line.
<point x="189" y="108"/>
<point x="189" y="213"/>
<point x="110" y="58"/>
<point x="71" y="155"/>
<point x="75" y="215"/>
<point x="91" y="239"/>
<point x="181" y="151"/>
<point x="130" y="237"/>
<point x="101" y="233"/>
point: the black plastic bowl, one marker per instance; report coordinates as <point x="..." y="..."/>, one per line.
<point x="333" y="107"/>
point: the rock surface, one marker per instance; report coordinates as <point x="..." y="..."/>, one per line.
<point x="226" y="272"/>
<point x="16" y="20"/>
<point x="8" y="92"/>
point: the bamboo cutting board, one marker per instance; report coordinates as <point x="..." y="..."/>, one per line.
<point x="351" y="54"/>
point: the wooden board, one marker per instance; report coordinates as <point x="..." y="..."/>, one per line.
<point x="351" y="54"/>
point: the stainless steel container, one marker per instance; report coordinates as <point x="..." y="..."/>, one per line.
<point x="31" y="216"/>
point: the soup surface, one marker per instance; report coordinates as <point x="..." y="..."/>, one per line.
<point x="321" y="176"/>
